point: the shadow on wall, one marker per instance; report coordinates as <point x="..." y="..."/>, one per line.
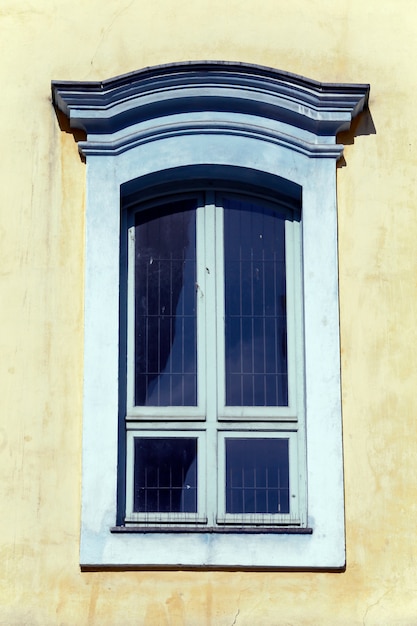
<point x="362" y="124"/>
<point x="64" y="125"/>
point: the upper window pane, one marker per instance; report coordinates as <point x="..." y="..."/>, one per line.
<point x="165" y="306"/>
<point x="255" y="305"/>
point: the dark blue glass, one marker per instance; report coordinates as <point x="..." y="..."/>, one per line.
<point x="165" y="305"/>
<point x="256" y="366"/>
<point x="165" y="475"/>
<point x="257" y="476"/>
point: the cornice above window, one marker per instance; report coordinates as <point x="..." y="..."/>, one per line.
<point x="218" y="97"/>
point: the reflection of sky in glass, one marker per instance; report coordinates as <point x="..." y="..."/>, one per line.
<point x="165" y="309"/>
<point x="165" y="479"/>
<point x="255" y="305"/>
<point x="257" y="476"/>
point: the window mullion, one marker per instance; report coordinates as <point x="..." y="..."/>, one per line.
<point x="296" y="381"/>
<point x="130" y="317"/>
<point x="220" y="305"/>
<point x="201" y="307"/>
<point x="210" y="274"/>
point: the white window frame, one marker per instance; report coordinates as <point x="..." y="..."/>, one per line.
<point x="295" y="406"/>
<point x="236" y="122"/>
<point x="134" y="412"/>
<point x="294" y="518"/>
<point x="167" y="519"/>
<point x="211" y="410"/>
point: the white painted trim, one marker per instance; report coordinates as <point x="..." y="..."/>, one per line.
<point x="325" y="546"/>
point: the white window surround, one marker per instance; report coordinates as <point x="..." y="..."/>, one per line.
<point x="239" y="123"/>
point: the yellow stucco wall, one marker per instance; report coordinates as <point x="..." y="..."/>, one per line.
<point x="42" y="183"/>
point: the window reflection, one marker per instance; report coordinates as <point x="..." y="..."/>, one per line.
<point x="165" y="307"/>
<point x="255" y="305"/>
<point x="165" y="479"/>
<point x="257" y="476"/>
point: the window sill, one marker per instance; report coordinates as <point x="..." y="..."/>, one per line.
<point x="236" y="530"/>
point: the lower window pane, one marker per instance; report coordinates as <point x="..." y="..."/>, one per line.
<point x="165" y="475"/>
<point x="257" y="476"/>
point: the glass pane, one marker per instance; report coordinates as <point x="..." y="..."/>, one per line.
<point x="255" y="305"/>
<point x="165" y="475"/>
<point x="165" y="306"/>
<point x="257" y="476"/>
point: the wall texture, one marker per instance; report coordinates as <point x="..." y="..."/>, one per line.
<point x="42" y="186"/>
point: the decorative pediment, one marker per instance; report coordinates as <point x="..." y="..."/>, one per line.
<point x="210" y="97"/>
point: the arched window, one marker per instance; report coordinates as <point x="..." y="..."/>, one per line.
<point x="212" y="413"/>
<point x="214" y="362"/>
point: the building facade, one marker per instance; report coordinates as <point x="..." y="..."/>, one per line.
<point x="317" y="140"/>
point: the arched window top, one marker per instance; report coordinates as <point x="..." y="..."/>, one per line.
<point x="209" y="176"/>
<point x="212" y="96"/>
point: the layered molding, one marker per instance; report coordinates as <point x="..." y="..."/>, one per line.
<point x="210" y="97"/>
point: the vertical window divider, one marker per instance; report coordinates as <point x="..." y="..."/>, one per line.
<point x="294" y="321"/>
<point x="220" y="357"/>
<point x="220" y="305"/>
<point x="201" y="308"/>
<point x="211" y="268"/>
<point x="130" y="317"/>
<point x="297" y="388"/>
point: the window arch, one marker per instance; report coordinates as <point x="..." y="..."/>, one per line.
<point x="219" y="133"/>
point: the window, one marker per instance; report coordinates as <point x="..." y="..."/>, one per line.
<point x="214" y="360"/>
<point x="212" y="412"/>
